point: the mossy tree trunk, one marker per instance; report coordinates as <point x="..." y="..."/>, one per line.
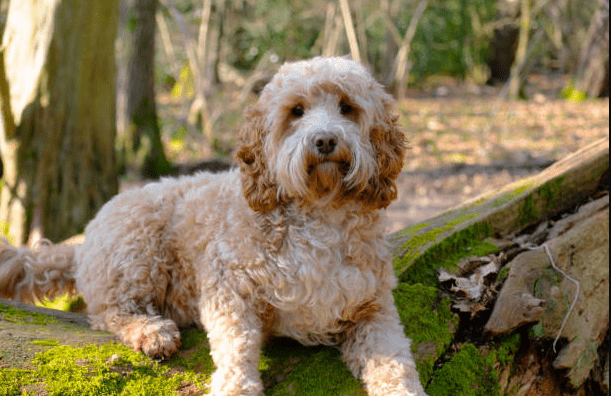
<point x="143" y="146"/>
<point x="58" y="120"/>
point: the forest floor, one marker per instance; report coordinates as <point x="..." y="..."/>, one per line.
<point x="464" y="139"/>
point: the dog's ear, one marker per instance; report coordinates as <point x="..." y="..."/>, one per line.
<point x="388" y="143"/>
<point x="258" y="183"/>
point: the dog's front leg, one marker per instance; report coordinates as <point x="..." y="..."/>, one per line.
<point x="378" y="352"/>
<point x="234" y="332"/>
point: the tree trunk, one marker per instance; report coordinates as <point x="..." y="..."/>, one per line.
<point x="516" y="79"/>
<point x="143" y="137"/>
<point x="504" y="43"/>
<point x="593" y="69"/>
<point x="59" y="159"/>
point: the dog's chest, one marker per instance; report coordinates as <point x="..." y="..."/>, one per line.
<point x="324" y="277"/>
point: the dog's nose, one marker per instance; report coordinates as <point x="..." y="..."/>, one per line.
<point x="325" y="143"/>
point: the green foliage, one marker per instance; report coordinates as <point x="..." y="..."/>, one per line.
<point x="451" y="38"/>
<point x="285" y="28"/>
<point x="13" y="380"/>
<point x="572" y="94"/>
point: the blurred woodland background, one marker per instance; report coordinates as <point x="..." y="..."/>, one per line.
<point x="98" y="94"/>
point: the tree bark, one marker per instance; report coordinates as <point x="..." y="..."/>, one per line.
<point x="593" y="68"/>
<point x="143" y="140"/>
<point x="516" y="79"/>
<point x="504" y="43"/>
<point x="59" y="161"/>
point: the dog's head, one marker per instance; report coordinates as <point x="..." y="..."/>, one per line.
<point x="323" y="131"/>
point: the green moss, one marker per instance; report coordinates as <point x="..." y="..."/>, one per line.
<point x="195" y="352"/>
<point x="94" y="370"/>
<point x="64" y="303"/>
<point x="428" y="321"/>
<point x="473" y="372"/>
<point x="507" y="348"/>
<point x="13" y="380"/>
<point x="47" y="342"/>
<point x="508" y="197"/>
<point x="503" y="274"/>
<point x="529" y="211"/>
<point x="464" y="243"/>
<point x="537" y="331"/>
<point x="309" y="372"/>
<point x="466" y="374"/>
<point x="19" y="316"/>
<point x="550" y="191"/>
<point x="415" y="242"/>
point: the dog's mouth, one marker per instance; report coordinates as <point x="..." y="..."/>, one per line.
<point x="325" y="177"/>
<point x="329" y="166"/>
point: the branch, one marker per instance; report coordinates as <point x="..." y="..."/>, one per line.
<point x="5" y="101"/>
<point x="352" y="42"/>
<point x="402" y="56"/>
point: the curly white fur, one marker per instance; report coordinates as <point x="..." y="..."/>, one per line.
<point x="291" y="244"/>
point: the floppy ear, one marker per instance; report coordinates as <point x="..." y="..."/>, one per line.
<point x="258" y="184"/>
<point x="388" y="143"/>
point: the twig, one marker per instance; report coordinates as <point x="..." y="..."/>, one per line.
<point x="352" y="41"/>
<point x="575" y="281"/>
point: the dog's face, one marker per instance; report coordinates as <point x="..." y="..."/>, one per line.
<point x="323" y="131"/>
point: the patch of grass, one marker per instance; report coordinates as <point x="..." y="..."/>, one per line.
<point x="428" y="321"/>
<point x="94" y="370"/>
<point x="48" y="342"/>
<point x="19" y="316"/>
<point x="13" y="380"/>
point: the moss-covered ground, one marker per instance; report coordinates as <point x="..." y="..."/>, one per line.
<point x="286" y="367"/>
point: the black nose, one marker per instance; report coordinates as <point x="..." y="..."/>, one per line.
<point x="325" y="144"/>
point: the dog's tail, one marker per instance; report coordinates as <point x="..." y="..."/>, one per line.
<point x="29" y="275"/>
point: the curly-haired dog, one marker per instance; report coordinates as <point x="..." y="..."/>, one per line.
<point x="291" y="244"/>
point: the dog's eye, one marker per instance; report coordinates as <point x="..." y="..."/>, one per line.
<point x="297" y="111"/>
<point x="345" y="108"/>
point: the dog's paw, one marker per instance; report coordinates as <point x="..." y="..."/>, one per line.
<point x="157" y="338"/>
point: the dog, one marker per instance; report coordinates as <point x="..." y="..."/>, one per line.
<point x="290" y="243"/>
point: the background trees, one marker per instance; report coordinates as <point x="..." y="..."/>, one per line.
<point x="187" y="68"/>
<point x="58" y="120"/>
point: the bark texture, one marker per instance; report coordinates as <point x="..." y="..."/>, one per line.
<point x="144" y="149"/>
<point x="59" y="153"/>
